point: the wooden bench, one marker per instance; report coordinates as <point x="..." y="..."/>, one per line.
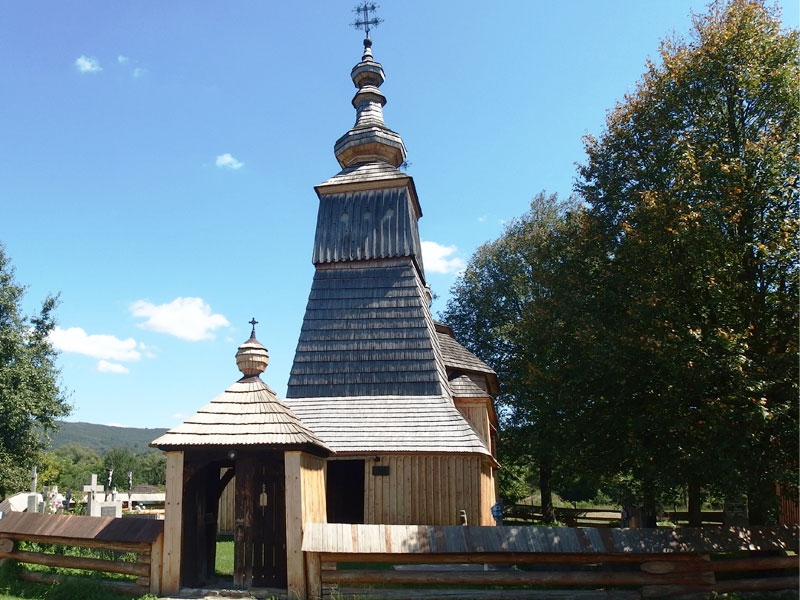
<point x="653" y="562"/>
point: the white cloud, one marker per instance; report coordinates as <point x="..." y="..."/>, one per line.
<point x="226" y="161"/>
<point x="122" y="59"/>
<point x="87" y="64"/>
<point x="101" y="346"/>
<point x="189" y="319"/>
<point x="108" y="367"/>
<point x="138" y="72"/>
<point x="436" y="258"/>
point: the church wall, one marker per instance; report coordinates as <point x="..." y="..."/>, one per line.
<point x="428" y="489"/>
<point x="475" y="412"/>
<point x="312" y="473"/>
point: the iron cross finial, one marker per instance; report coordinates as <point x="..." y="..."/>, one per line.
<point x="364" y="20"/>
<point x="253" y="322"/>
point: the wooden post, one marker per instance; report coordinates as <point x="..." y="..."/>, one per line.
<point x="173" y="525"/>
<point x="295" y="571"/>
<point x="314" y="569"/>
<point x="156" y="565"/>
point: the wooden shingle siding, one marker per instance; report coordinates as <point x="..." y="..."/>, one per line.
<point x="367" y="332"/>
<point x="364" y="173"/>
<point x="458" y="357"/>
<point x="247" y="413"/>
<point x="364" y="225"/>
<point x="378" y="424"/>
<point x="463" y="386"/>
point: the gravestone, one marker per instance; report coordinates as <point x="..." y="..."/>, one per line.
<point x="736" y="512"/>
<point x="101" y="508"/>
<point x="33" y="499"/>
<point x="110" y="509"/>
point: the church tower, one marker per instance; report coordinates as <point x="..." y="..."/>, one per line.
<point x="370" y="376"/>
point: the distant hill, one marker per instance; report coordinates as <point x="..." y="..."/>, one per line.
<point x="102" y="438"/>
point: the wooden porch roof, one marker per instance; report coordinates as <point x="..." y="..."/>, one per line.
<point x="247" y="413"/>
<point x="377" y="424"/>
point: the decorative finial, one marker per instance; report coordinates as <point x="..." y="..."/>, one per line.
<point x="251" y="357"/>
<point x="364" y="20"/>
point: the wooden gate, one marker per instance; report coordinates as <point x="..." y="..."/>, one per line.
<point x="260" y="529"/>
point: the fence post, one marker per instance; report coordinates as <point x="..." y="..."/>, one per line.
<point x="156" y="564"/>
<point x="314" y="574"/>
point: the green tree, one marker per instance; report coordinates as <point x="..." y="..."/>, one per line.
<point x="120" y="460"/>
<point x="31" y="399"/>
<point x="501" y="308"/>
<point x="151" y="469"/>
<point x="76" y="466"/>
<point x="693" y="199"/>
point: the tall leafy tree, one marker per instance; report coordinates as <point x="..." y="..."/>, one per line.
<point x="30" y="395"/>
<point x="75" y="466"/>
<point x="501" y="308"/>
<point x="693" y="198"/>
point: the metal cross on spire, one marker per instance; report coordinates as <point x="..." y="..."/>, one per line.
<point x="365" y="20"/>
<point x="253" y="322"/>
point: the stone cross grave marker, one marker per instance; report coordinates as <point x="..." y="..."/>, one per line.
<point x="96" y="507"/>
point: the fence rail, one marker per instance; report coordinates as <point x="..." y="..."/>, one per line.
<point x="521" y="514"/>
<point x="144" y="538"/>
<point x="619" y="563"/>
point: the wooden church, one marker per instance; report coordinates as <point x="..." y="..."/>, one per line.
<point x="387" y="418"/>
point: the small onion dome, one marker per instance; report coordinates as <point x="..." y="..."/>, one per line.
<point x="369" y="140"/>
<point x="251" y="357"/>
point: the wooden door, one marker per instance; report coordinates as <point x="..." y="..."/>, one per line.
<point x="260" y="526"/>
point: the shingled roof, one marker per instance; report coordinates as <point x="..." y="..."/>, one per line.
<point x="369" y="374"/>
<point x="380" y="424"/>
<point x="367" y="331"/>
<point x="459" y="360"/>
<point x="248" y="413"/>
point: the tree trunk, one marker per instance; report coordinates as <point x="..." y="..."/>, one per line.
<point x="695" y="504"/>
<point x="545" y="475"/>
<point x="762" y="503"/>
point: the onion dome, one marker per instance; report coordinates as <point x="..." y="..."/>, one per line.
<point x="369" y="140"/>
<point x="252" y="358"/>
<point x="248" y="413"/>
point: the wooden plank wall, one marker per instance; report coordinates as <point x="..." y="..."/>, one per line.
<point x="788" y="505"/>
<point x="429" y="489"/>
<point x="173" y="525"/>
<point x="474" y="411"/>
<point x="227" y="508"/>
<point x="305" y="503"/>
<point x="312" y="473"/>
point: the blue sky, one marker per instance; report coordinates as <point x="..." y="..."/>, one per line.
<point x="157" y="160"/>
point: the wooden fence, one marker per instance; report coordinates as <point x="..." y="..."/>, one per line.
<point x="522" y="514"/>
<point x="591" y="562"/>
<point x="528" y="514"/>
<point x="142" y="537"/>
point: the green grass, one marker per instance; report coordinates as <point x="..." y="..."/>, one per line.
<point x="13" y="588"/>
<point x="224" y="563"/>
